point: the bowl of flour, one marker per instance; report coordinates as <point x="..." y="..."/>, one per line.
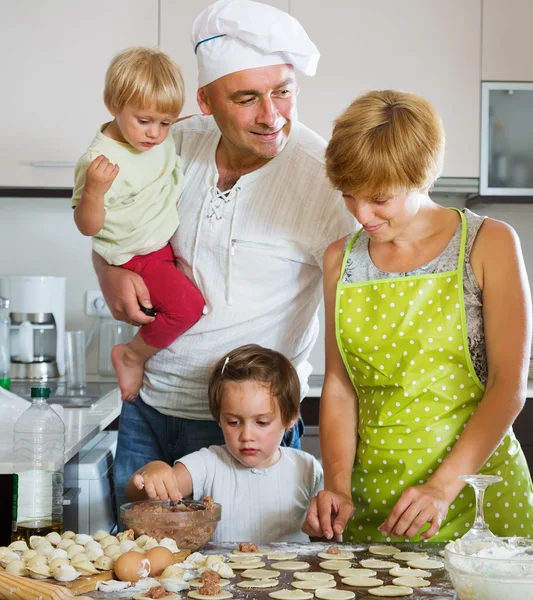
<point x="496" y="569"/>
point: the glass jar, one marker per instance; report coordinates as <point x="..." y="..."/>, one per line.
<point x="5" y="344"/>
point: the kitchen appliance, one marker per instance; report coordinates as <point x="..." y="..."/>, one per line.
<point x="37" y="314"/>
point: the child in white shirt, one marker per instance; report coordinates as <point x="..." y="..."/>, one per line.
<point x="264" y="490"/>
<point x="126" y="190"/>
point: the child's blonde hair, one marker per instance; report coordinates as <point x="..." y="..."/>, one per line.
<point x="264" y="366"/>
<point x="386" y="141"/>
<point x="142" y="77"/>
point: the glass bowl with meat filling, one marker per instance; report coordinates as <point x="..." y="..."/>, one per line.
<point x="190" y="524"/>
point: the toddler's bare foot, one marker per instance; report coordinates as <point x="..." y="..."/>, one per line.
<point x="129" y="367"/>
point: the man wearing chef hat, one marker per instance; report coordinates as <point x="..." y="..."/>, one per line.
<point x="256" y="215"/>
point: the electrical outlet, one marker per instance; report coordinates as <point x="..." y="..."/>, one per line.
<point x="95" y="305"/>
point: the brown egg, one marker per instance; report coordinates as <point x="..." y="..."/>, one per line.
<point x="132" y="566"/>
<point x="160" y="558"/>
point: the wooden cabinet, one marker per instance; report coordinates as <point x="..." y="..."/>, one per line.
<point x="507" y="43"/>
<point x="55" y="55"/>
<point x="177" y="19"/>
<point x="429" y="48"/>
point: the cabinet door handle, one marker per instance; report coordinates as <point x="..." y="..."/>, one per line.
<point x="53" y="165"/>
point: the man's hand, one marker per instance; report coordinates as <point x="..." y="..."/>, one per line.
<point x="327" y="515"/>
<point x="123" y="292"/>
<point x="417" y="506"/>
<point x="159" y="481"/>
<point x="100" y="176"/>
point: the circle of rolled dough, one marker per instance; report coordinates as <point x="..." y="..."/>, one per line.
<point x="410" y="581"/>
<point x="246" y="565"/>
<point x="405" y="556"/>
<point x="391" y="590"/>
<point x="382" y="550"/>
<point x="313" y="576"/>
<point x="282" y="556"/>
<point x="195" y="594"/>
<point x="329" y="594"/>
<point x="333" y="565"/>
<point x="407" y="571"/>
<point x="376" y="563"/>
<point x="425" y="563"/>
<point x="291" y="595"/>
<point x="341" y="556"/>
<point x="313" y="584"/>
<point x="198" y="584"/>
<point x="291" y="565"/>
<point x="260" y="574"/>
<point x="361" y="581"/>
<point x="258" y="583"/>
<point x="355" y="572"/>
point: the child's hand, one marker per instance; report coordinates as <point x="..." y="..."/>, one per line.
<point x="100" y="175"/>
<point x="159" y="482"/>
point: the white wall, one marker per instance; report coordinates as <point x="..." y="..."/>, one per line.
<point x="38" y="237"/>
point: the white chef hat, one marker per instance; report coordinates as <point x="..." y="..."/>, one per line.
<point x="234" y="35"/>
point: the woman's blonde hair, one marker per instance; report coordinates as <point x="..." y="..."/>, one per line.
<point x="386" y="141"/>
<point x="142" y="77"/>
<point x="264" y="366"/>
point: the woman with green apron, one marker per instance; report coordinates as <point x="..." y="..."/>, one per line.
<point x="428" y="332"/>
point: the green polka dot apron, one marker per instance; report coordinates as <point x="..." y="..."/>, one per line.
<point x="405" y="346"/>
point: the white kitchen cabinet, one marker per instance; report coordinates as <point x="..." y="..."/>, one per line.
<point x="54" y="57"/>
<point x="507" y="48"/>
<point x="175" y="39"/>
<point x="429" y="48"/>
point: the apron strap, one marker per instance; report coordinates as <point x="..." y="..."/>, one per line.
<point x="347" y="252"/>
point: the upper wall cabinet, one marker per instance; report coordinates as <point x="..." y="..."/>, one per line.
<point x="55" y="55"/>
<point x="429" y="48"/>
<point x="507" y="48"/>
<point x="177" y="19"/>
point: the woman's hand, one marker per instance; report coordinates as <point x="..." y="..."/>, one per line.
<point x="327" y="515"/>
<point x="417" y="506"/>
<point x="159" y="481"/>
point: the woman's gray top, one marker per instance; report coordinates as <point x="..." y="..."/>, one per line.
<point x="359" y="267"/>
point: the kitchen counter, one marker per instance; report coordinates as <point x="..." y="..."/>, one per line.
<point x="82" y="424"/>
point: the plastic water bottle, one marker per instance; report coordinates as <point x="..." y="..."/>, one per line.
<point x="38" y="451"/>
<point x="5" y="346"/>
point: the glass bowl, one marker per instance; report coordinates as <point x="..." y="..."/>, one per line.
<point x="497" y="569"/>
<point x="190" y="524"/>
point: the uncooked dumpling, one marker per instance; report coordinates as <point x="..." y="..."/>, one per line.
<point x="355" y="572"/>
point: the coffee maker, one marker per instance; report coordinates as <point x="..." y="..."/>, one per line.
<point x="37" y="314"/>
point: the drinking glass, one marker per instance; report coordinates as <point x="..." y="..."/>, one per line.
<point x="479" y="530"/>
<point x="75" y="359"/>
